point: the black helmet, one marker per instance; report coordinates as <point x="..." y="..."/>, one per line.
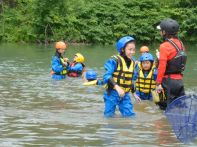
<point x="169" y="25"/>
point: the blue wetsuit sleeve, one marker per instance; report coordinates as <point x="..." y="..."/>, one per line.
<point x="155" y="74"/>
<point x="110" y="66"/>
<point x="135" y="76"/>
<point x="56" y="65"/>
<point x="135" y="73"/>
<point x="100" y="82"/>
<point x="133" y="58"/>
<point x="77" y="67"/>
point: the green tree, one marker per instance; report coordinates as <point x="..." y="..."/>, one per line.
<point x="90" y="21"/>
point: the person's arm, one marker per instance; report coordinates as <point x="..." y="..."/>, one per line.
<point x="133" y="88"/>
<point x="57" y="67"/>
<point x="78" y="67"/>
<point x="135" y="73"/>
<point x="135" y="77"/>
<point x="161" y="67"/>
<point x="137" y="98"/>
<point x="162" y="64"/>
<point x="110" y="67"/>
<point x="100" y="82"/>
<point x="155" y="72"/>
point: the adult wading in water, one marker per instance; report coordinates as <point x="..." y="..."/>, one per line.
<point x="172" y="60"/>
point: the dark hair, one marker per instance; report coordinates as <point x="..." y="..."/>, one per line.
<point x="150" y="66"/>
<point x="123" y="52"/>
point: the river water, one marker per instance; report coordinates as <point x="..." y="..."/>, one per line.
<point x="37" y="111"/>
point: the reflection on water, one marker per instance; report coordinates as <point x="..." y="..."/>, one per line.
<point x="37" y="111"/>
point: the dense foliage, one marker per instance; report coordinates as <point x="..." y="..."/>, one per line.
<point x="90" y="21"/>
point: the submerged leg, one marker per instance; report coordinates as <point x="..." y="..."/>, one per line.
<point x="126" y="107"/>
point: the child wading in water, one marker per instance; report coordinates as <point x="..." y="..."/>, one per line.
<point x="145" y="77"/>
<point x="118" y="77"/>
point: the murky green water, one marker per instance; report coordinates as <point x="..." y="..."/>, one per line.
<point x="37" y="111"/>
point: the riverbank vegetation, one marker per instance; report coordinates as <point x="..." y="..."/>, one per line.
<point x="90" y="21"/>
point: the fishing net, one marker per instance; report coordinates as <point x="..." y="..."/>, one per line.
<point x="182" y="115"/>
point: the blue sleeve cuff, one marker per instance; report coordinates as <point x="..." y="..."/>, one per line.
<point x="100" y="82"/>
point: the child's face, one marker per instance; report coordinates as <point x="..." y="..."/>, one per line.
<point x="61" y="51"/>
<point x="146" y="65"/>
<point x="130" y="49"/>
<point x="75" y="57"/>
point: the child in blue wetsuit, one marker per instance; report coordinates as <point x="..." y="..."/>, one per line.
<point x="59" y="64"/>
<point x="77" y="67"/>
<point x="145" y="76"/>
<point x="118" y="77"/>
<point x="90" y="75"/>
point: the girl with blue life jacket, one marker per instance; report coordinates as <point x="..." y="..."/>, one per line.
<point x="118" y="77"/>
<point x="145" y="77"/>
<point x="59" y="64"/>
<point x="77" y="67"/>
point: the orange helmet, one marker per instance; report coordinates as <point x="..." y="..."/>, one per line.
<point x="144" y="49"/>
<point x="60" y="45"/>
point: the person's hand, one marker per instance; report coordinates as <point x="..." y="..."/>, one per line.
<point x="120" y="91"/>
<point x="52" y="72"/>
<point x="137" y="98"/>
<point x="136" y="62"/>
<point x="65" y="63"/>
<point x="66" y="59"/>
<point x="157" y="53"/>
<point x="159" y="88"/>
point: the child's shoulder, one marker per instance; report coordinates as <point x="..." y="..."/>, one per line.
<point x="55" y="57"/>
<point x="114" y="58"/>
